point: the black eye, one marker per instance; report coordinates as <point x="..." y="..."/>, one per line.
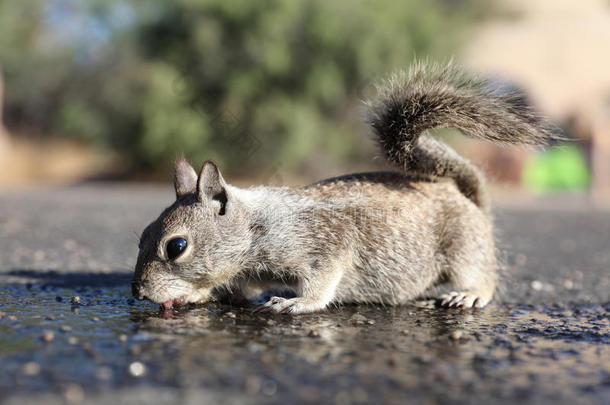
<point x="175" y="247"/>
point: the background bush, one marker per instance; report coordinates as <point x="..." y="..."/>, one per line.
<point x="252" y="84"/>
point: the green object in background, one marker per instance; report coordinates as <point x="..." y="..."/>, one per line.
<point x="561" y="168"/>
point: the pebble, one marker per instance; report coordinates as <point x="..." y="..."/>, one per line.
<point x="104" y="373"/>
<point x="50" y="318"/>
<point x="39" y="255"/>
<point x="75" y="300"/>
<point x="230" y="315"/>
<point x="423" y="359"/>
<point x="253" y="384"/>
<point x="11" y="318"/>
<point x="538" y="285"/>
<point x="58" y="299"/>
<point x="137" y="369"/>
<point x="70" y="244"/>
<point x="95" y="319"/>
<point x="456" y="335"/>
<point x="309" y="395"/>
<point x="313" y="333"/>
<point x="135" y="350"/>
<point x="520" y="259"/>
<point x="31" y="368"/>
<point x="359" y="319"/>
<point x="122" y="338"/>
<point x="47" y="336"/>
<point x="74" y="394"/>
<point x="73" y="340"/>
<point x="255" y="348"/>
<point x="65" y="328"/>
<point x="269" y="387"/>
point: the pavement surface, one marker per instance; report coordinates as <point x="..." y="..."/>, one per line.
<point x="71" y="333"/>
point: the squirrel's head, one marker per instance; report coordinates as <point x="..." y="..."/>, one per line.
<point x="196" y="243"/>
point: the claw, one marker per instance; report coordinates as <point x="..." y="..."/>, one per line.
<point x="286" y="310"/>
<point x="461" y="300"/>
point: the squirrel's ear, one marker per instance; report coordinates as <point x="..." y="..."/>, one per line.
<point x="211" y="185"/>
<point x="185" y="178"/>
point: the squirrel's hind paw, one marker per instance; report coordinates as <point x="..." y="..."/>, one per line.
<point x="458" y="299"/>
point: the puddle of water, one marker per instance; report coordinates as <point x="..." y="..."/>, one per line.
<point x="350" y="354"/>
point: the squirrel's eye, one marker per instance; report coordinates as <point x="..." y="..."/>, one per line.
<point x="175" y="247"/>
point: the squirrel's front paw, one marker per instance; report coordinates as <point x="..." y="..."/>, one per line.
<point x="281" y="305"/>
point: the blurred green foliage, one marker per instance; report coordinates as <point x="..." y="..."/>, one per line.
<point x="251" y="84"/>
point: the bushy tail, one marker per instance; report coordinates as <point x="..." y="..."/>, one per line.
<point x="431" y="96"/>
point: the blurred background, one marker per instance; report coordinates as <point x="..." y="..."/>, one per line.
<point x="272" y="90"/>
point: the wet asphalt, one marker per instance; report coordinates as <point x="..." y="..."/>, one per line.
<point x="545" y="338"/>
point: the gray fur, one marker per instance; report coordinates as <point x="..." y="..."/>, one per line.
<point x="364" y="238"/>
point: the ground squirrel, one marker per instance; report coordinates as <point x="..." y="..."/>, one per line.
<point x="380" y="237"/>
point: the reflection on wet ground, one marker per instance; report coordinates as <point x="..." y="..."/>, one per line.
<point x="81" y="348"/>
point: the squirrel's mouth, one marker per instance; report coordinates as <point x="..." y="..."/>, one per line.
<point x="179" y="302"/>
<point x="197" y="297"/>
<point x="175" y="303"/>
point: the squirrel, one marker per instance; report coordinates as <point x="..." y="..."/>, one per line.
<point x="380" y="237"/>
